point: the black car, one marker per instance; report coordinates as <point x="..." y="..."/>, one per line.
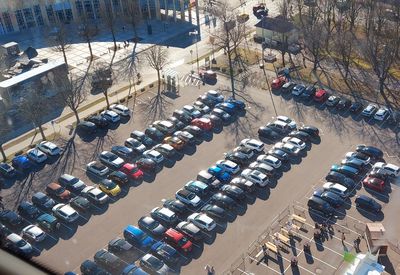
<point x="341" y="179"/>
<point x="244" y="184"/>
<point x="370" y="151"/>
<point x="109" y="261"/>
<point x="4" y="231"/>
<point x="122" y="151"/>
<point x="233" y="192"/>
<point x="223" y="115"/>
<point x="7" y="170"/>
<point x="179" y="125"/>
<point x="87" y="127"/>
<point x="71" y="183"/>
<point x="146" y="164"/>
<point x="194" y="130"/>
<point x="209" y="101"/>
<point x="330" y="197"/>
<point x="151" y="226"/>
<point x="154" y="134"/>
<point x="98" y="120"/>
<point x="121" y="248"/>
<point x="11" y="218"/>
<point x="143" y="138"/>
<point x="279" y="154"/>
<point x="175" y="205"/>
<point x="28" y="210"/>
<point x="300" y="135"/>
<point x="118" y="177"/>
<point x="356" y="107"/>
<point x="368" y="203"/>
<point x="182" y="116"/>
<point x="216" y="121"/>
<point x="80" y="203"/>
<point x="208" y="179"/>
<point x="268" y="133"/>
<point x="343" y="103"/>
<point x="223" y="201"/>
<point x="89" y="267"/>
<point x="214" y="211"/>
<point x="137" y="147"/>
<point x="43" y="201"/>
<point x="321" y="206"/>
<point x="308" y="93"/>
<point x="311" y="130"/>
<point x="238" y="157"/>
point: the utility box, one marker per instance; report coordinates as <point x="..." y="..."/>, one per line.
<point x="10" y="48"/>
<point x="376" y="238"/>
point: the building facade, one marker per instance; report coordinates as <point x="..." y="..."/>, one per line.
<point x="20" y="15"/>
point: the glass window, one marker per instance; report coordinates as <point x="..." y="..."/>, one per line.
<point x="88" y="9"/>
<point x="60" y="15"/>
<point x="116" y="6"/>
<point x="29" y="19"/>
<point x="8" y="22"/>
<point x="20" y="20"/>
<point x="50" y="14"/>
<point x="38" y="15"/>
<point x="96" y="6"/>
<point x="68" y="15"/>
<point x="79" y="7"/>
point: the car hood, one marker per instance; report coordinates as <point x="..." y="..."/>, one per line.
<point x="148" y="241"/>
<point x="159" y="229"/>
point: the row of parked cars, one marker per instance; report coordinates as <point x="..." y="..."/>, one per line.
<point x="180" y="223"/>
<point x="340" y="103"/>
<point x="343" y="179"/>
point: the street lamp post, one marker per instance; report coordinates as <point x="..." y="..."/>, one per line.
<point x="196" y="34"/>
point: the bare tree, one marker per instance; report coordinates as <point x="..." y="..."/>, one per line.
<point x="87" y="30"/>
<point x="157" y="58"/>
<point x="344" y="46"/>
<point x="34" y="105"/>
<point x="60" y="40"/>
<point x="101" y="79"/>
<point x="110" y="20"/>
<point x="72" y="91"/>
<point x="352" y="14"/>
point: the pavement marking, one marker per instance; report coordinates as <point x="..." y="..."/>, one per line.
<point x="263" y="264"/>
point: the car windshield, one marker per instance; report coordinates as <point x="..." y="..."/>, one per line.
<point x="20" y="243"/>
<point x="155" y="263"/>
<point x="182" y="241"/>
<point x="60" y="190"/>
<point x="191" y="196"/>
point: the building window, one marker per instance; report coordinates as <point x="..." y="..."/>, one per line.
<point x="50" y="14"/>
<point x="68" y="15"/>
<point x="116" y="6"/>
<point x="8" y="22"/>
<point x="38" y="15"/>
<point x="79" y="7"/>
<point x="60" y="15"/>
<point x="20" y="20"/>
<point x="88" y="9"/>
<point x="29" y="19"/>
<point x="96" y="6"/>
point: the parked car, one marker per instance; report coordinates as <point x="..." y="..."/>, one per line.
<point x="287" y="87"/>
<point x="228" y="107"/>
<point x="97" y="120"/>
<point x="187" y="137"/>
<point x="166" y="253"/>
<point x="223" y="201"/>
<point x="369" y="111"/>
<point x="341" y="179"/>
<point x="346" y="170"/>
<point x="33" y="233"/>
<point x="97" y="168"/>
<point x="219" y="173"/>
<point x="208" y="179"/>
<point x="359" y="156"/>
<point x="153" y="265"/>
<point x="321" y="206"/>
<point x="202" y="221"/>
<point x="332" y="198"/>
<point x="224" y="116"/>
<point x="146" y="164"/>
<point x="249" y="153"/>
<point x="309" y="93"/>
<point x="295" y="142"/>
<point x="192" y="111"/>
<point x="190" y="230"/>
<point x="238" y="157"/>
<point x="36" y="155"/>
<point x="336" y="188"/>
<point x="42" y="201"/>
<point x="110" y="116"/>
<point x="199" y="188"/>
<point x="233" y="192"/>
<point x="270" y="160"/>
<point x="80" y="203"/>
<point x="194" y="130"/>
<point x="389" y="169"/>
<point x="28" y="210"/>
<point x="164" y="215"/>
<point x="353" y="162"/>
<point x="132" y="171"/>
<point x="278" y="82"/>
<point x="7" y="170"/>
<point x="203" y="108"/>
<point x="89" y="267"/>
<point x="279" y="154"/>
<point x="229" y="166"/>
<point x="255" y="176"/>
<point x="280" y="127"/>
<point x="382" y="114"/>
<point x="57" y="191"/>
<point x="48" y="222"/>
<point x="321" y="95"/>
<point x="123" y="152"/>
<point x="165" y="149"/>
<point x="187" y="197"/>
<point x="374" y="183"/>
<point x="137" y="237"/>
<point x="356" y="107"/>
<point x="290" y="122"/>
<point x="118" y="177"/>
<point x="214" y="211"/>
<point x="311" y="130"/>
<point x="298" y="89"/>
<point x="11" y="218"/>
<point x="178" y="124"/>
<point x="95" y="195"/>
<point x="268" y="133"/>
<point x="143" y="138"/>
<point x="343" y="103"/>
<point x="120" y="109"/>
<point x="182" y="116"/>
<point x="21" y="163"/>
<point x="154" y="155"/>
<point x="368" y="203"/>
<point x="287" y="148"/>
<point x="109" y="261"/>
<point x="49" y="148"/>
<point x="137" y="147"/>
<point x="243" y="184"/>
<point x="71" y="183"/>
<point x="121" y="248"/>
<point x="65" y="213"/>
<point x="253" y="144"/>
<point x="263" y="168"/>
<point x="203" y="123"/>
<point x="111" y="160"/>
<point x="240" y="105"/>
<point x="332" y="101"/>
<point x="178" y="240"/>
<point x="151" y="226"/>
<point x="164" y="126"/>
<point x="17" y="244"/>
<point x="175" y="142"/>
<point x="303" y="136"/>
<point x="109" y="187"/>
<point x="86" y="127"/>
<point x="370" y="151"/>
<point x="175" y="205"/>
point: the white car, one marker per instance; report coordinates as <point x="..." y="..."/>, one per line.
<point x="295" y="142"/>
<point x="188" y="197"/>
<point x="382" y="114"/>
<point x="135" y="145"/>
<point x="18" y="243"/>
<point x="202" y="107"/>
<point x="65" y="212"/>
<point x="111" y="159"/>
<point x="97" y="168"/>
<point x="387" y="168"/>
<point x="164" y="126"/>
<point x="287" y="147"/>
<point x="120" y="109"/>
<point x="154" y="155"/>
<point x="289" y="121"/>
<point x="95" y="195"/>
<point x="336" y="188"/>
<point x="229" y="166"/>
<point x="110" y="116"/>
<point x="33" y="233"/>
<point x="192" y="111"/>
<point x="369" y="110"/>
<point x="49" y="148"/>
<point x="253" y="144"/>
<point x="255" y="176"/>
<point x="202" y="221"/>
<point x="36" y="155"/>
<point x="270" y="160"/>
<point x="354" y="155"/>
<point x="262" y="167"/>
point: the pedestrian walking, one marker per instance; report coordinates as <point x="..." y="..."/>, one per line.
<point x="343" y="237"/>
<point x="357" y="244"/>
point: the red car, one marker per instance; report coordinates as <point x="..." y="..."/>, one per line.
<point x="132" y="171"/>
<point x="178" y="240"/>
<point x="277" y="83"/>
<point x="203" y="123"/>
<point x="374" y="183"/>
<point x="321" y="95"/>
<point x="56" y="190"/>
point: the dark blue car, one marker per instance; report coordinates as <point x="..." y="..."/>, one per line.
<point x="238" y="103"/>
<point x="165" y="252"/>
<point x="7" y="170"/>
<point x="137" y="237"/>
<point x="132" y="269"/>
<point x="21" y="162"/>
<point x="368" y="203"/>
<point x="330" y="197"/>
<point x="219" y="173"/>
<point x="228" y="107"/>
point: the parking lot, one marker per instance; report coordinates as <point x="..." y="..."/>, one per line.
<point x="340" y="133"/>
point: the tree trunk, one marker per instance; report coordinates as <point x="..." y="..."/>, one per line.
<point x="76" y="115"/>
<point x="283" y="58"/>
<point x="231" y="72"/>
<point x="106" y="96"/>
<point x="90" y="50"/>
<point x="315" y="65"/>
<point x="159" y="83"/>
<point x="381" y="85"/>
<point x="3" y="154"/>
<point x="114" y="39"/>
<point x="65" y="56"/>
<point x="41" y="131"/>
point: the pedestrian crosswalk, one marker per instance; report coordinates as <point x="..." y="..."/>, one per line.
<point x="190" y="80"/>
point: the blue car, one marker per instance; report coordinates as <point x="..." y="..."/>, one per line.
<point x="238" y="103"/>
<point x="137" y="237"/>
<point x="368" y="203"/>
<point x="219" y="173"/>
<point x="230" y="108"/>
<point x="345" y="170"/>
<point x="132" y="269"/>
<point x="165" y="252"/>
<point x="21" y="162"/>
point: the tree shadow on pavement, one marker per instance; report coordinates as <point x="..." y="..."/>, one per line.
<point x="158" y="107"/>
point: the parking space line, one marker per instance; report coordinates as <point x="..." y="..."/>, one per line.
<point x="263" y="264"/>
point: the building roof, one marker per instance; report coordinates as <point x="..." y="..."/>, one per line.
<point x="30" y="74"/>
<point x="277" y="24"/>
